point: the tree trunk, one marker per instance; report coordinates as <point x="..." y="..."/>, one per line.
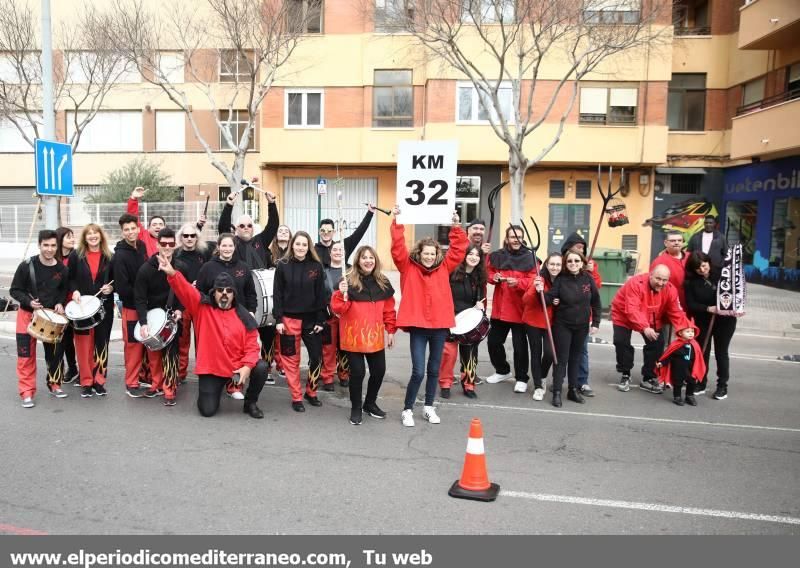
<point x="517" y="172"/>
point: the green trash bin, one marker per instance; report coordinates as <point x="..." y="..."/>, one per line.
<point x="613" y="266"/>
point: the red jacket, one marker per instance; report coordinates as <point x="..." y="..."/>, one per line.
<point x="677" y="271"/>
<point x="150" y="242"/>
<point x="698" y="364"/>
<point x="507" y="300"/>
<point x="426" y="299"/>
<point x="637" y="306"/>
<point x="532" y="312"/>
<point x="362" y="322"/>
<point x="224" y="344"/>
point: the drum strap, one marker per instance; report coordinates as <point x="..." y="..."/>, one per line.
<point x="170" y="299"/>
<point x="34" y="288"/>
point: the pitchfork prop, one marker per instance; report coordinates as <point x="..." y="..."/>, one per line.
<point x="606" y="196"/>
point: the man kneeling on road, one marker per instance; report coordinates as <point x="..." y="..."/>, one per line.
<point x="227" y="341"/>
<point x="644" y="304"/>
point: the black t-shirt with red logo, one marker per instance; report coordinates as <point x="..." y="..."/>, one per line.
<point x="50" y="287"/>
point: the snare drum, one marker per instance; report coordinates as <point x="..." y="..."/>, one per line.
<point x="162" y="330"/>
<point x="47" y="325"/>
<point x="263" y="280"/>
<point x="471" y="327"/>
<point x="86" y="314"/>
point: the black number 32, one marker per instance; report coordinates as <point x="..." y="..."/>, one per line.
<point x="418" y="189"/>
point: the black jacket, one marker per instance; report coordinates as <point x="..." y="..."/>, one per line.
<point x="717" y="251"/>
<point x="192" y="261"/>
<point x="579" y="300"/>
<point x="466" y="292"/>
<point x="700" y="294"/>
<point x="254" y="253"/>
<point x="125" y="266"/>
<point x="299" y="291"/>
<point x="50" y="287"/>
<point x="151" y="289"/>
<point x="242" y="278"/>
<point x="80" y="275"/>
<point x="350" y="243"/>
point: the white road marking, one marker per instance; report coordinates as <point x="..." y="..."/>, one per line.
<point x="620" y="416"/>
<point x="655" y="507"/>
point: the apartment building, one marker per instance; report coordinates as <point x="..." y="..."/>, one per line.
<point x="691" y="120"/>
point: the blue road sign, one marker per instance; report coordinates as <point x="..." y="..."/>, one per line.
<point x="53" y="168"/>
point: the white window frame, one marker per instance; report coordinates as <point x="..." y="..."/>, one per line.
<point x="12" y="141"/>
<point x="109" y="131"/>
<point x="304" y="111"/>
<point x="475" y="104"/>
<point x="609" y="95"/>
<point x="488" y="14"/>
<point x="223" y="144"/>
<point x="235" y="76"/>
<point x="171" y="137"/>
<point x="175" y="62"/>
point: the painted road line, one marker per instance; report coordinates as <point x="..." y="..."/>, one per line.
<point x="653" y="507"/>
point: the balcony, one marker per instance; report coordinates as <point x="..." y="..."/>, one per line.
<point x="764" y="130"/>
<point x="769" y="24"/>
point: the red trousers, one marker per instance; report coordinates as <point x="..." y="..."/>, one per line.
<point x="164" y="368"/>
<point x="334" y="362"/>
<point x="26" y="358"/>
<point x="133" y="351"/>
<point x="468" y="354"/>
<point x="91" y="350"/>
<point x="290" y="356"/>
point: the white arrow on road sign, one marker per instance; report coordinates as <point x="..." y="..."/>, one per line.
<point x="52" y="169"/>
<point x="60" y="167"/>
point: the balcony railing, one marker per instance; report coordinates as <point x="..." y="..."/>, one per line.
<point x="693" y="31"/>
<point x="769" y="101"/>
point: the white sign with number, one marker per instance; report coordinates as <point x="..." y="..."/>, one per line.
<point x="426" y="182"/>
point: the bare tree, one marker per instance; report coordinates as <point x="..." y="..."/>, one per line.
<point x="229" y="53"/>
<point x="519" y="45"/>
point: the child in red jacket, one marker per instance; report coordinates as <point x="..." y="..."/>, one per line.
<point x="364" y="304"/>
<point x="682" y="362"/>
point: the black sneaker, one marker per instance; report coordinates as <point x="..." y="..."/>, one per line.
<point x="328" y="387"/>
<point x="678" y="400"/>
<point x="144" y="384"/>
<point x="624" y="383"/>
<point x="470" y="394"/>
<point x="152" y="393"/>
<point x="70" y="376"/>
<point x="355" y="416"/>
<point x="721" y="393"/>
<point x="169" y="402"/>
<point x="373" y="410"/>
<point x="134" y="392"/>
<point x="691" y="400"/>
<point x="344" y="383"/>
<point x="100" y="390"/>
<point x="312" y="400"/>
<point x="445" y="393"/>
<point x="651" y="386"/>
<point x="575" y="396"/>
<point x="87" y="392"/>
<point x="298" y="406"/>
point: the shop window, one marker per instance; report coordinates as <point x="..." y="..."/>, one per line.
<point x="686" y="102"/>
<point x="557" y="189"/>
<point x="583" y="189"/>
<point x="740" y="226"/>
<point x="783" y="251"/>
<point x="468" y="197"/>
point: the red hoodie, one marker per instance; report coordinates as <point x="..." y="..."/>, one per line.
<point x="224" y="344"/>
<point x="426" y="298"/>
<point x="532" y="312"/>
<point x="364" y="317"/>
<point x="637" y="306"/>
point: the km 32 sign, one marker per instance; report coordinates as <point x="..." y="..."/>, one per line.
<point x="426" y="182"/>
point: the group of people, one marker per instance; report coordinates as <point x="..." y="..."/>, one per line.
<point x="346" y="316"/>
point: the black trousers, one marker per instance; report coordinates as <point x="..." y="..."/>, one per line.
<point x="541" y="354"/>
<point x="680" y="373"/>
<point x="498" y="332"/>
<point x="652" y="351"/>
<point x="377" y="370"/>
<point x="211" y="387"/>
<point x="68" y="343"/>
<point x="721" y="335"/>
<point x="569" y="348"/>
<point x="267" y="336"/>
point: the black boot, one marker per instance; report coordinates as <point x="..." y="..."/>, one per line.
<point x="575" y="396"/>
<point x="557" y="399"/>
<point x="312" y="400"/>
<point x="253" y="410"/>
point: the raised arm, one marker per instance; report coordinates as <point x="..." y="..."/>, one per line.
<point x="351" y="242"/>
<point x="399" y="249"/>
<point x="268" y="234"/>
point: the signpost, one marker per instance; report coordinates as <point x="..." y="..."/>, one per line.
<point x="322" y="189"/>
<point x="426" y="182"/>
<point x="53" y="168"/>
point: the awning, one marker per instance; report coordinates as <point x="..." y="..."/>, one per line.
<point x="685" y="171"/>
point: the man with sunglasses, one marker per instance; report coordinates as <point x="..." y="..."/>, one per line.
<point x="326" y="233"/>
<point x="151" y="290"/>
<point x="253" y="250"/>
<point x="148" y="236"/>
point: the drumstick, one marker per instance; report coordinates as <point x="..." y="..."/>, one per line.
<point x="100" y="291"/>
<point x="205" y="209"/>
<point x="386" y="211"/>
<point x="44" y="311"/>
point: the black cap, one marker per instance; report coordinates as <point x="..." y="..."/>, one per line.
<point x="223" y="280"/>
<point x="476" y="222"/>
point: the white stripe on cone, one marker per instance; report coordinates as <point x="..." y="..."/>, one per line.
<point x="475" y="446"/>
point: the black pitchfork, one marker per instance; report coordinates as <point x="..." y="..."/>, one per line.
<point x="491" y="201"/>
<point x="608" y="196"/>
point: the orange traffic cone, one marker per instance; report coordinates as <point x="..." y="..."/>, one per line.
<point x="474" y="483"/>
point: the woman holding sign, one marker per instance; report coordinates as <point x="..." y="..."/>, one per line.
<point x="426" y="310"/>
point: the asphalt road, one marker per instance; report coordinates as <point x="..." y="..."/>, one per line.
<point x="630" y="463"/>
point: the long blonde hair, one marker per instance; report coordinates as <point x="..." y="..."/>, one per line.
<point x="200" y="245"/>
<point x="416" y="252"/>
<point x="83" y="246"/>
<point x="355" y="275"/>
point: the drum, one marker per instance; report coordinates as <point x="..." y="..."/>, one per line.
<point x="263" y="280"/>
<point x="86" y="314"/>
<point x="162" y="330"/>
<point x="47" y="326"/>
<point x="471" y="327"/>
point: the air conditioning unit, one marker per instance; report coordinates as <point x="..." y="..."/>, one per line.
<point x="663" y="184"/>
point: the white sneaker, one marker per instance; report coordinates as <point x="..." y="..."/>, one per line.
<point x="58" y="393"/>
<point x="430" y="415"/>
<point x="520" y="387"/>
<point x="236" y="395"/>
<point x="27" y="402"/>
<point x="407" y="417"/>
<point x="538" y="394"/>
<point x="498" y="378"/>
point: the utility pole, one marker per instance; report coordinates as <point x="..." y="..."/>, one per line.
<point x="48" y="109"/>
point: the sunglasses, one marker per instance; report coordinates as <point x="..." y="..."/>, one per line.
<point x="189" y="235"/>
<point x="574" y="261"/>
<point x="170" y="244"/>
<point x="224" y="290"/>
<point x="243" y="226"/>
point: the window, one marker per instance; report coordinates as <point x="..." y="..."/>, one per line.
<point x="393" y="15"/>
<point x="11" y="139"/>
<point x="234" y="66"/>
<point x="690" y="17"/>
<point x="10" y="73"/>
<point x="108" y="131"/>
<point x="583" y="189"/>
<point x="630" y="242"/>
<point x="753" y="92"/>
<point x="601" y="105"/>
<point x="303" y="109"/>
<point x="393" y="99"/>
<point x="611" y="11"/>
<point x="686" y="102"/>
<point x="468" y="197"/>
<point x="487" y="11"/>
<point x="686" y="184"/>
<point x="557" y="189"/>
<point x="473" y="106"/>
<point x="170" y="65"/>
<point x="237" y="126"/>
<point x="85" y="67"/>
<point x="793" y="79"/>
<point x="170" y="131"/>
<point x="305" y="16"/>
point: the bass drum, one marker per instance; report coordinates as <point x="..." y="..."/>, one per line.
<point x="472" y="326"/>
<point x="263" y="279"/>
